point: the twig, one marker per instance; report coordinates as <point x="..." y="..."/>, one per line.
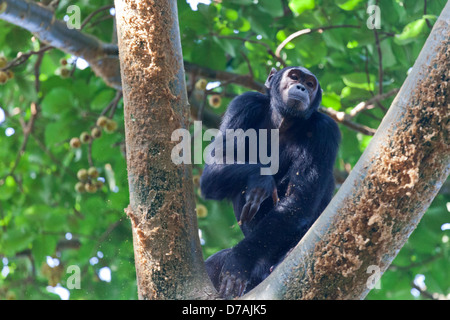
<point x="366" y="105"/>
<point x="2" y="216"/>
<point x="101" y="19"/>
<point x="23" y="57"/>
<point x="366" y="67"/>
<point x="250" y="70"/>
<point x="417" y="264"/>
<point x="265" y="45"/>
<point x="112" y="105"/>
<point x="306" y="31"/>
<point x="27" y="129"/>
<point x="202" y="107"/>
<point x="345" y="119"/>
<point x="380" y="62"/>
<point x="91" y="163"/>
<point x="424" y="292"/>
<point x="115" y="103"/>
<point x="92" y="14"/>
<point x="37" y="71"/>
<point x="424" y="13"/>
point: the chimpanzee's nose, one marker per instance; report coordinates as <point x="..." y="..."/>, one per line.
<point x="301" y="87"/>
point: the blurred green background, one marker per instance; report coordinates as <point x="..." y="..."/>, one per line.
<point x="46" y="225"/>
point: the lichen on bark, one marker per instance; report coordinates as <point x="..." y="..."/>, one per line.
<point x="168" y="258"/>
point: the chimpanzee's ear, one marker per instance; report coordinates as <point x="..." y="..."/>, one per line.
<point x="269" y="78"/>
<point x="315" y="104"/>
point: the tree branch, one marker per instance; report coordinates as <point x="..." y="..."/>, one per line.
<point x="345" y="119"/>
<point x="306" y="31"/>
<point x="365" y="105"/>
<point x="23" y="57"/>
<point x="39" y="20"/>
<point x="243" y="80"/>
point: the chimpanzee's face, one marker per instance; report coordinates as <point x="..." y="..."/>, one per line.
<point x="294" y="92"/>
<point x="298" y="88"/>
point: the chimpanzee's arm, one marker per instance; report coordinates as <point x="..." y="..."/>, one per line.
<point x="221" y="181"/>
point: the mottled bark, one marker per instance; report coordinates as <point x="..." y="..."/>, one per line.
<point x="168" y="257"/>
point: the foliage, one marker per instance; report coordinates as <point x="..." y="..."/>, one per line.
<point x="41" y="213"/>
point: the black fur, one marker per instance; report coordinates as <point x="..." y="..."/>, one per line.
<point x="304" y="184"/>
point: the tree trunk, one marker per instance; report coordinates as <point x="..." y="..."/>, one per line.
<point x="386" y="194"/>
<point x="169" y="263"/>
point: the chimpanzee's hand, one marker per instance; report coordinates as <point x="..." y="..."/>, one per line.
<point x="258" y="189"/>
<point x="234" y="277"/>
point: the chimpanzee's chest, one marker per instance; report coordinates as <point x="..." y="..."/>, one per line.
<point x="292" y="154"/>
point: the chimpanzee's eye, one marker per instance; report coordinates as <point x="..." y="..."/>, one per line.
<point x="310" y="84"/>
<point x="294" y="77"/>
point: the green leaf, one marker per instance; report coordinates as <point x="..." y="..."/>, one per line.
<point x="226" y="45"/>
<point x="243" y="25"/>
<point x="8" y="188"/>
<point x="56" y="132"/>
<point x="331" y="100"/>
<point x="44" y="245"/>
<point x="102" y="100"/>
<point x="103" y="150"/>
<point x="208" y="11"/>
<point x="18" y="39"/>
<point x="334" y="38"/>
<point x="410" y="32"/>
<point x="26" y="87"/>
<point x="363" y="141"/>
<point x="34" y="215"/>
<point x="272" y="7"/>
<point x="389" y="59"/>
<point x="312" y="50"/>
<point x="15" y="240"/>
<point x="231" y="14"/>
<point x="348" y="5"/>
<point x="258" y="20"/>
<point x="209" y="53"/>
<point x="241" y="2"/>
<point x="57" y="220"/>
<point x="359" y="80"/>
<point x="299" y="6"/>
<point x="281" y="36"/>
<point x="56" y="101"/>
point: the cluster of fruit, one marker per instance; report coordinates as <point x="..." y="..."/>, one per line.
<point x="88" y="181"/>
<point x="64" y="71"/>
<point x="7" y="74"/>
<point x="103" y="122"/>
<point x="200" y="209"/>
<point x="214" y="100"/>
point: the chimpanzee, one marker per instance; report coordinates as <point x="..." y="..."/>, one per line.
<point x="274" y="211"/>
